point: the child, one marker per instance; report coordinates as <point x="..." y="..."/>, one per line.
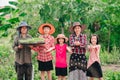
<point x="94" y="69"/>
<point x="45" y="58"/>
<point x="61" y="61"/>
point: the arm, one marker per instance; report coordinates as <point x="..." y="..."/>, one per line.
<point x="88" y="48"/>
<point x="16" y="46"/>
<point x="50" y="49"/>
<point x="99" y="48"/>
<point x="83" y="43"/>
<point x="52" y="42"/>
<point x="69" y="50"/>
<point x="71" y="40"/>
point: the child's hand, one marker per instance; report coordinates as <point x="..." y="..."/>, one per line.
<point x="31" y="46"/>
<point x="46" y="51"/>
<point x="71" y="52"/>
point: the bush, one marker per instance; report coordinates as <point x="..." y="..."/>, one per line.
<point x="111" y="75"/>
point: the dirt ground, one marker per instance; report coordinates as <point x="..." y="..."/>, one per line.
<point x="112" y="67"/>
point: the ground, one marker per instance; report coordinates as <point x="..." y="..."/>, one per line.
<point x="113" y="67"/>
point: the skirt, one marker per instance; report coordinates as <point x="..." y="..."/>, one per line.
<point x="45" y="66"/>
<point x="77" y="61"/>
<point x="77" y="67"/>
<point x="95" y="70"/>
<point x="61" y="71"/>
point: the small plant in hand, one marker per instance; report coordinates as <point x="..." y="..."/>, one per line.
<point x="32" y="41"/>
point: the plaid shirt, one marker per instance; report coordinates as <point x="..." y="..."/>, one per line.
<point x="83" y="41"/>
<point x="42" y="55"/>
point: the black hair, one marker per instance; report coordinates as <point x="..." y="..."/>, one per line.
<point x="46" y="26"/>
<point x="58" y="40"/>
<point x="19" y="31"/>
<point x="77" y="25"/>
<point x="96" y="37"/>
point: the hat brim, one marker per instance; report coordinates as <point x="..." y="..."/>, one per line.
<point x="52" y="29"/>
<point x="19" y="27"/>
<point x="83" y="27"/>
<point x="66" y="39"/>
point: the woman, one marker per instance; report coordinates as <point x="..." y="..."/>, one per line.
<point x="23" y="56"/>
<point x="78" y="63"/>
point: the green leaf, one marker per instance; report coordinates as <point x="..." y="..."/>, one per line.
<point x="7" y="9"/>
<point x="5" y="26"/>
<point x="78" y="1"/>
<point x="14" y="20"/>
<point x="23" y="14"/>
<point x="13" y="3"/>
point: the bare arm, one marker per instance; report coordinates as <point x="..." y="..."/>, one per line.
<point x="69" y="50"/>
<point x="52" y="48"/>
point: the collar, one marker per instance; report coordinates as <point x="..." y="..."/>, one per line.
<point x="74" y="35"/>
<point x="48" y="36"/>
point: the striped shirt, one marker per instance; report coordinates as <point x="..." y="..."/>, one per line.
<point x="82" y="38"/>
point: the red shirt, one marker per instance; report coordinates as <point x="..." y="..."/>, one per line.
<point x="42" y="55"/>
<point x="61" y="58"/>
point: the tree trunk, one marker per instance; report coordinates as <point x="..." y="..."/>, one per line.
<point x="62" y="30"/>
<point x="109" y="33"/>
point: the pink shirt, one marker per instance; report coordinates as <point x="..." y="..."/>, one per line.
<point x="61" y="58"/>
<point x="42" y="55"/>
<point x="94" y="54"/>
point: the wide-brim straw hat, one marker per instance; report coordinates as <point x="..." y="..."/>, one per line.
<point x="23" y="23"/>
<point x="77" y="24"/>
<point x="61" y="36"/>
<point x="52" y="29"/>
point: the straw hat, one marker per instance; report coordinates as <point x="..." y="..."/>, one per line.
<point x="23" y="23"/>
<point x="61" y="36"/>
<point x="77" y="24"/>
<point x="52" y="29"/>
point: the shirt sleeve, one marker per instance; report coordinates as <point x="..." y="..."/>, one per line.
<point x="71" y="40"/>
<point x="15" y="44"/>
<point x="83" y="42"/>
<point x="38" y="48"/>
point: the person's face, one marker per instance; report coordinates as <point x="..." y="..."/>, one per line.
<point x="61" y="40"/>
<point x="46" y="30"/>
<point x="94" y="39"/>
<point x="77" y="29"/>
<point x="24" y="30"/>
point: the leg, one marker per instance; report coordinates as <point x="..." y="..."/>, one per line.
<point x="91" y="78"/>
<point x="20" y="72"/>
<point x="101" y="78"/>
<point x="59" y="78"/>
<point x="28" y="72"/>
<point x="42" y="75"/>
<point x="63" y="77"/>
<point x="49" y="75"/>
